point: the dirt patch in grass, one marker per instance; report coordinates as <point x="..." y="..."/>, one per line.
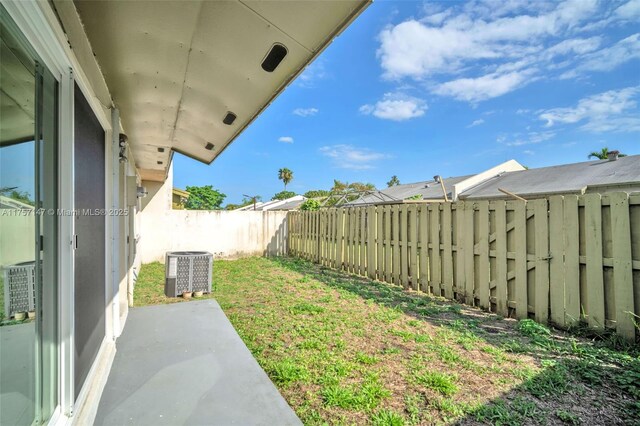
<point x="347" y="350"/>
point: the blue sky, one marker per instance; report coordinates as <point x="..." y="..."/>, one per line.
<point x="417" y="89"/>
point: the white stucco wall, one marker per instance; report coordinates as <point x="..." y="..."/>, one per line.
<point x="226" y="234"/>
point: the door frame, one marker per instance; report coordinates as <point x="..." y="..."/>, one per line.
<point x="41" y="28"/>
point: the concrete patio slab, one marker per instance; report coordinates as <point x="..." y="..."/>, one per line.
<point x="184" y="364"/>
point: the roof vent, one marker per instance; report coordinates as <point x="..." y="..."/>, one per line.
<point x="159" y="162"/>
<point x="229" y="118"/>
<point x="209" y="146"/>
<point x="613" y="155"/>
<point x="274" y="57"/>
<point x="160" y="149"/>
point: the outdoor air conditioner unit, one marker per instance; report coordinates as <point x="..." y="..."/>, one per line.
<point x="187" y="271"/>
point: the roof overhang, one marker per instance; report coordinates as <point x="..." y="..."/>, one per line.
<point x="176" y="68"/>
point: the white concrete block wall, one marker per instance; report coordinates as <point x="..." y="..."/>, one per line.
<point x="226" y="234"/>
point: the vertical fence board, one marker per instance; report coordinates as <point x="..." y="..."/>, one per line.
<point x="556" y="263"/>
<point x="469" y="269"/>
<point x="502" y="301"/>
<point x="340" y="239"/>
<point x="542" y="261"/>
<point x="482" y="283"/>
<point x="436" y="265"/>
<point x="447" y="251"/>
<point x="520" y="223"/>
<point x="595" y="278"/>
<point x="404" y="247"/>
<point x="571" y="260"/>
<point x="424" y="248"/>
<point x="395" y="224"/>
<point x="371" y="241"/>
<point x="413" y="249"/>
<point x="388" y="246"/>
<point x="460" y="278"/>
<point x="622" y="264"/>
<point x="362" y="212"/>
<point x="379" y="243"/>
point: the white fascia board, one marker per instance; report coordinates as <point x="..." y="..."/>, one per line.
<point x="508" y="166"/>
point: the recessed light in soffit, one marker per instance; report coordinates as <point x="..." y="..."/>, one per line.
<point x="274" y="57"/>
<point x="229" y="118"/>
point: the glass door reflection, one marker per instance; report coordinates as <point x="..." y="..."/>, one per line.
<point x="28" y="285"/>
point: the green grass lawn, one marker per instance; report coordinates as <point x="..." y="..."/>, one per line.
<point x="346" y="350"/>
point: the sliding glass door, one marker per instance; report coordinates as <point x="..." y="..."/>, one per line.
<point x="29" y="339"/>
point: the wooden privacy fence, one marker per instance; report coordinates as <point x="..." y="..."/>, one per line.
<point x="561" y="259"/>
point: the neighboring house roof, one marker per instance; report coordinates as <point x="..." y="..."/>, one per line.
<point x="287" y="204"/>
<point x="432" y="189"/>
<point x="290" y="205"/>
<point x="576" y="178"/>
<point x="429" y="190"/>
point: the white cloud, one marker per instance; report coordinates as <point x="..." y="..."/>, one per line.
<point x="305" y="112"/>
<point x="476" y="123"/>
<point x="528" y="152"/>
<point x="312" y="74"/>
<point x="611" y="111"/>
<point x="350" y="157"/>
<point x="629" y="10"/>
<point x="396" y="107"/>
<point x="608" y="58"/>
<point x="529" y="138"/>
<point x="285" y="139"/>
<point x="483" y="49"/>
<point x="482" y="88"/>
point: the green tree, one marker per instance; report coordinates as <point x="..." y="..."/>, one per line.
<point x="283" y="195"/>
<point x="286" y="176"/>
<point x="393" y="182"/>
<point x="316" y="193"/>
<point x="603" y="154"/>
<point x="22" y="196"/>
<point x="310" y="205"/>
<point x="204" y="198"/>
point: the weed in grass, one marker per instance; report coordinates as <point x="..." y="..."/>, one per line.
<point x="412" y="405"/>
<point x="497" y="353"/>
<point x="387" y="418"/>
<point x="448" y="408"/>
<point x="363" y="358"/>
<point x="439" y="382"/>
<point x="365" y="396"/>
<point x="499" y="412"/>
<point x="286" y="372"/>
<point x="552" y="381"/>
<point x="568" y="417"/>
<point x="306" y="308"/>
<point x="391" y="350"/>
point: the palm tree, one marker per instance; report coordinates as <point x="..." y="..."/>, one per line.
<point x="394" y="181"/>
<point x="603" y="154"/>
<point x="286" y="176"/>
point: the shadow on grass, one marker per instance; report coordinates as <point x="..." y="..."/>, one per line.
<point x="582" y="380"/>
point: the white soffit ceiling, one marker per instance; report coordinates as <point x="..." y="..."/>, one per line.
<point x="175" y="68"/>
